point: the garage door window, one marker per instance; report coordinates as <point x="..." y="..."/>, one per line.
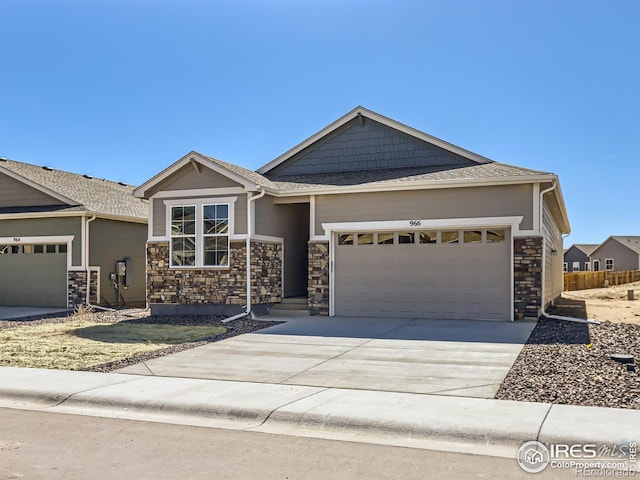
<point x="30" y="249"/>
<point x="365" y="239"/>
<point x="345" y="239"/>
<point x="385" y="238"/>
<point x="449" y="237"/>
<point x="473" y="236"/>
<point x="428" y="237"/>
<point x="406" y="237"/>
<point x="495" y="236"/>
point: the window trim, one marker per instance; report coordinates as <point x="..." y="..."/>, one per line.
<point x="596" y="265"/>
<point x="606" y="260"/>
<point x="575" y="266"/>
<point x="587" y="266"/>
<point x="199" y="204"/>
<point x="565" y="267"/>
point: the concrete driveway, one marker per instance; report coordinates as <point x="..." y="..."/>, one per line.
<point x="461" y="358"/>
<point x="10" y="313"/>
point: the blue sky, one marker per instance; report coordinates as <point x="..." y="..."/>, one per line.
<point x="121" y="89"/>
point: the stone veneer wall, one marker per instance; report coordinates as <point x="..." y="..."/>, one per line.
<point x="227" y="286"/>
<point x="527" y="277"/>
<point x="318" y="287"/>
<point x="77" y="288"/>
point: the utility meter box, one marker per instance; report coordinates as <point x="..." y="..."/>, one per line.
<point x="123" y="270"/>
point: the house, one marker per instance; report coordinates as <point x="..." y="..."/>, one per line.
<point x="57" y="228"/>
<point x="368" y="217"/>
<point x="576" y="257"/>
<point x="617" y="253"/>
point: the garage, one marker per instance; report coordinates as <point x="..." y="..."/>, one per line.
<point x="438" y="274"/>
<point x="33" y="275"/>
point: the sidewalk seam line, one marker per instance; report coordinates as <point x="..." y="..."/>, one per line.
<point x="90" y="389"/>
<point x="286" y="405"/>
<point x="542" y="423"/>
<point x="346" y="351"/>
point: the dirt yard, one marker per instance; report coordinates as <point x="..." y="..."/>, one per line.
<point x="607" y="303"/>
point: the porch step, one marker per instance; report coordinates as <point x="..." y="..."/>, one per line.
<point x="289" y="313"/>
<point x="295" y="300"/>
<point x="291" y="307"/>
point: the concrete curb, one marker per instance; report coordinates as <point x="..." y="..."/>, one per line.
<point x="491" y="427"/>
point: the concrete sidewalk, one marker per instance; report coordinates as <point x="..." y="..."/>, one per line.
<point x="472" y="425"/>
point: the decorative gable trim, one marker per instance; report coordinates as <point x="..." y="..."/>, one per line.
<point x="195" y="159"/>
<point x="363" y="112"/>
<point x="39" y="187"/>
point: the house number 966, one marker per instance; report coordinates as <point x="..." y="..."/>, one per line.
<point x="414" y="223"/>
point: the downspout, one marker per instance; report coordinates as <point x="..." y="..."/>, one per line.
<point x="544" y="247"/>
<point x="86" y="258"/>
<point x="247" y="311"/>
<point x="86" y="264"/>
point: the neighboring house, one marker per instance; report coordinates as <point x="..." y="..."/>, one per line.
<point x="56" y="226"/>
<point x="368" y="217"/>
<point x="576" y="257"/>
<point x="617" y="253"/>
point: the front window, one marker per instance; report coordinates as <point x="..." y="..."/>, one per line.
<point x="216" y="235"/>
<point x="608" y="264"/>
<point x="576" y="266"/>
<point x="200" y="235"/>
<point x="183" y="236"/>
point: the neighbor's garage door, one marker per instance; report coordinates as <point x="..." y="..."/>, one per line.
<point x="33" y="275"/>
<point x="435" y="274"/>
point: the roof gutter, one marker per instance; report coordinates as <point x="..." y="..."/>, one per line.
<point x="250" y="201"/>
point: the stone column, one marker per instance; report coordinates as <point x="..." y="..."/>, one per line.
<point x="527" y="277"/>
<point x="318" y="287"/>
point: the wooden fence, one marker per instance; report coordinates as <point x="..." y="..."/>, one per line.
<point x="585" y="280"/>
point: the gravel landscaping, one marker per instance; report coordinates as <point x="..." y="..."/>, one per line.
<point x="570" y="363"/>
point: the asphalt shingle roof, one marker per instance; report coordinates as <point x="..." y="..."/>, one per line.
<point x="396" y="176"/>
<point x="93" y="194"/>
<point x="586" y="248"/>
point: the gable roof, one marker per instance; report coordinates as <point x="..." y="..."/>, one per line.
<point x="79" y="192"/>
<point x="586" y="248"/>
<point x="249" y="179"/>
<point x="632" y="242"/>
<point x="364" y="112"/>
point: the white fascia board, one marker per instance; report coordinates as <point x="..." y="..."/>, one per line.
<point x="39" y="187"/>
<point x="380" y="119"/>
<point x="199" y="192"/>
<point x="422" y="224"/>
<point x="140" y="192"/>
<point x="427" y="185"/>
<point x="35" y="215"/>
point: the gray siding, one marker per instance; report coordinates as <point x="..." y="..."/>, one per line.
<point x="623" y="257"/>
<point x="553" y="281"/>
<point x="575" y="255"/>
<point x="160" y="212"/>
<point x="112" y="241"/>
<point x="33" y="227"/>
<point x="367" y="146"/>
<point x="427" y="204"/>
<point x="14" y="193"/>
<point x="187" y="178"/>
<point x="291" y="222"/>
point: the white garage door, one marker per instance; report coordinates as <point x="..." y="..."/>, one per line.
<point x="33" y="275"/>
<point x="446" y="274"/>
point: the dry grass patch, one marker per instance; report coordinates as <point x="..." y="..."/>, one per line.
<point x="82" y="343"/>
